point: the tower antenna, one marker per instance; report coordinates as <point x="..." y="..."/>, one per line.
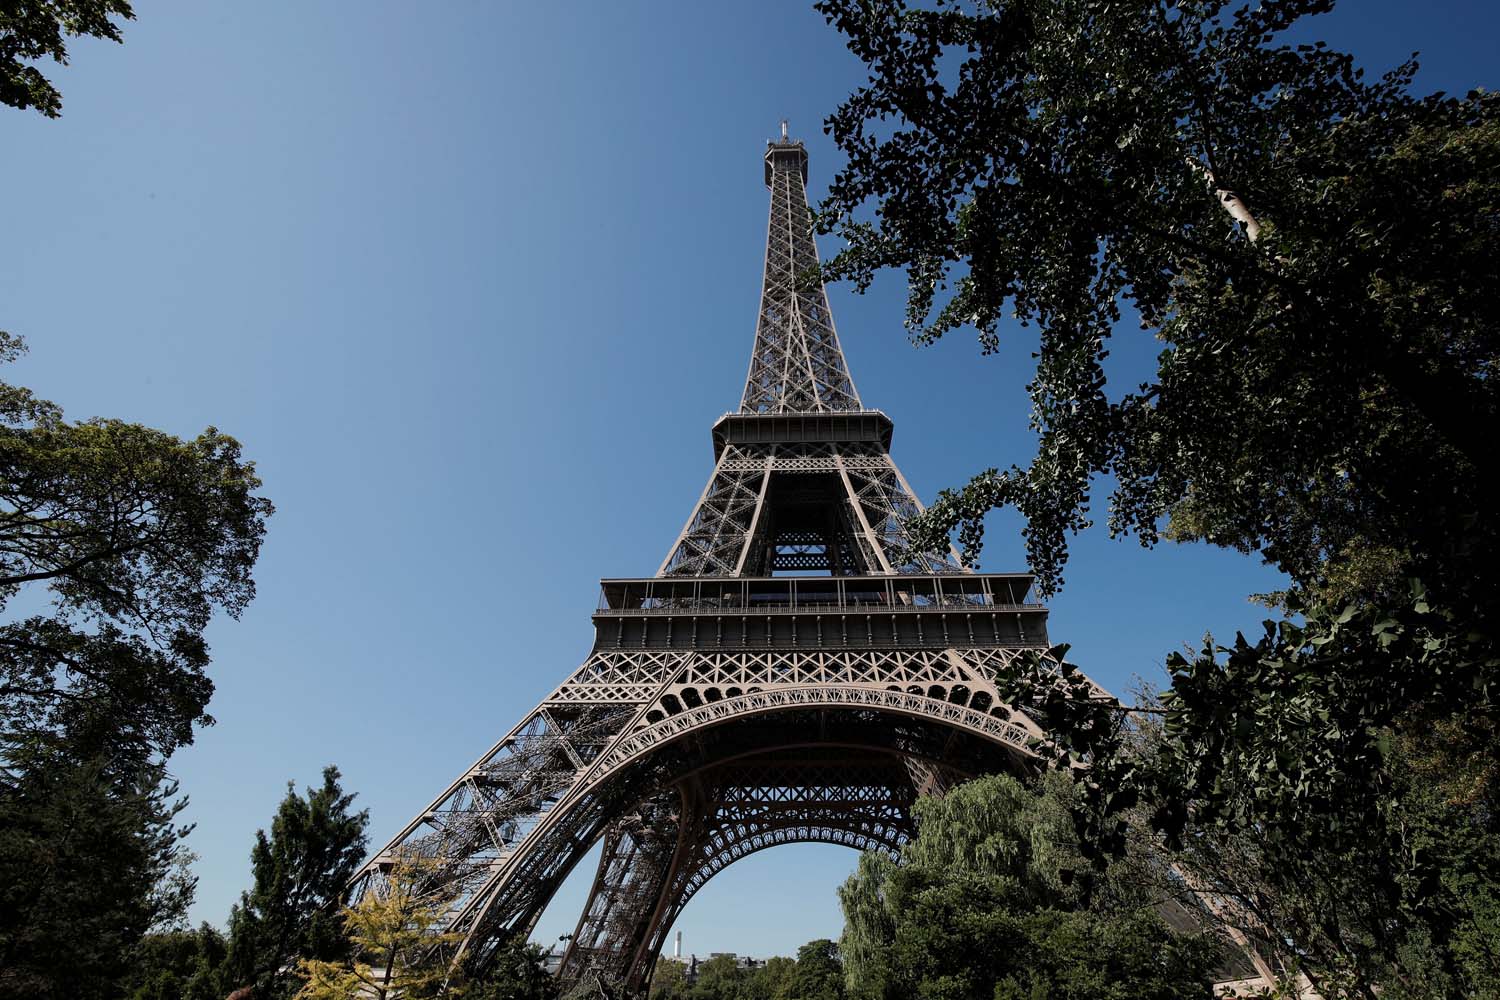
<point x="783" y="130"/>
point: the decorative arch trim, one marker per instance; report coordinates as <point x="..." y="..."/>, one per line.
<point x="918" y="706"/>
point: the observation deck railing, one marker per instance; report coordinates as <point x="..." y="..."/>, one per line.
<point x="740" y="595"/>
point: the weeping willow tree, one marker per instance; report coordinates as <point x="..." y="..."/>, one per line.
<point x="992" y="899"/>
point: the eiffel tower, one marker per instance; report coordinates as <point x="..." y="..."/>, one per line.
<point x="796" y="670"/>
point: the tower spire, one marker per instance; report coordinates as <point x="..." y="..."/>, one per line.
<point x="797" y="365"/>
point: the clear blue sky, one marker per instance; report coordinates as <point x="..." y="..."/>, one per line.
<point x="470" y="281"/>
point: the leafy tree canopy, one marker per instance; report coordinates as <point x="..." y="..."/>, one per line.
<point x="669" y="980"/>
<point x="1313" y="249"/>
<point x="393" y="932"/>
<point x="177" y="965"/>
<point x="397" y="951"/>
<point x="33" y="30"/>
<point x="983" y="903"/>
<point x="137" y="538"/>
<point x="817" y="973"/>
<point x="119" y="543"/>
<point x="1331" y="844"/>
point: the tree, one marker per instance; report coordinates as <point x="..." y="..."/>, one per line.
<point x="392" y="931"/>
<point x="1323" y="394"/>
<point x="517" y="972"/>
<point x="819" y="974"/>
<point x="88" y="852"/>
<point x="31" y="30"/>
<point x="177" y="965"/>
<point x="397" y="950"/>
<point x="776" y="980"/>
<point x="1319" y="905"/>
<point x="137" y="538"/>
<point x="669" y="980"/>
<point x="300" y="871"/>
<point x="1312" y="249"/>
<point x="719" y="978"/>
<point x="1323" y="380"/>
<point x="1389" y="889"/>
<point x="986" y="902"/>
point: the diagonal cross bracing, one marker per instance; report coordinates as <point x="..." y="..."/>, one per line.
<point x="796" y="364"/>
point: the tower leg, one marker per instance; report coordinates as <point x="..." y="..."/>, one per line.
<point x="658" y="856"/>
<point x="634" y="867"/>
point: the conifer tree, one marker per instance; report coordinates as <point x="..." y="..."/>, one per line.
<point x="88" y="845"/>
<point x="300" y="870"/>
<point x="177" y="964"/>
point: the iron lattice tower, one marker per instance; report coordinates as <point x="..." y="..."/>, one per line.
<point x="796" y="671"/>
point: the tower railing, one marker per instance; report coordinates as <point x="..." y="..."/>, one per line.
<point x="661" y="595"/>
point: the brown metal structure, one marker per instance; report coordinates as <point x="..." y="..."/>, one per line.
<point x="795" y="672"/>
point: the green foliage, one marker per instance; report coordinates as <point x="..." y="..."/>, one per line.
<point x="1000" y="829"/>
<point x="1373" y="873"/>
<point x="669" y="980"/>
<point x="1322" y="396"/>
<point x="817" y="973"/>
<point x="31" y="30"/>
<point x="721" y="978"/>
<point x="300" y="871"/>
<point x="1286" y="788"/>
<point x="177" y="965"/>
<point x="396" y="950"/>
<point x="985" y="903"/>
<point x="1053" y="161"/>
<point x="392" y="935"/>
<point x="776" y="980"/>
<point x="517" y="972"/>
<point x="122" y="542"/>
<point x="1318" y="729"/>
<point x="138" y="538"/>
<point x="90" y="860"/>
<point x="1315" y="253"/>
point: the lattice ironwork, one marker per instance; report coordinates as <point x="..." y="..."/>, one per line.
<point x="718" y="533"/>
<point x="796" y="364"/>
<point x="846" y="506"/>
<point x="727" y="708"/>
<point x="730" y="811"/>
